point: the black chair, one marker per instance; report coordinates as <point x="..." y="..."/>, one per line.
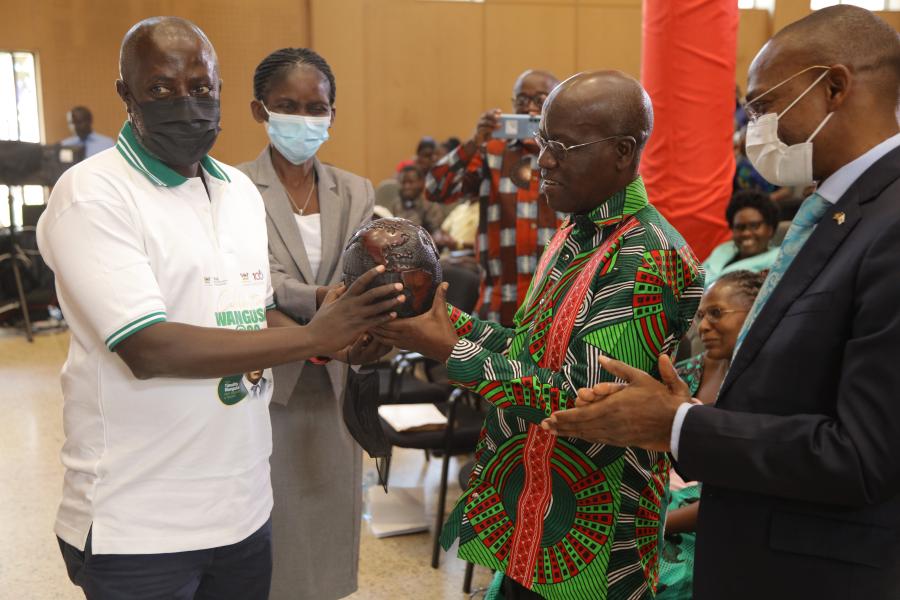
<point x="464" y="422"/>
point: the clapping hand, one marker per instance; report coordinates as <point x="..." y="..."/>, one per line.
<point x="636" y="413"/>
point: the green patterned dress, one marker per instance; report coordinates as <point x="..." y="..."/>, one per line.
<point x="676" y="565"/>
<point x="564" y="517"/>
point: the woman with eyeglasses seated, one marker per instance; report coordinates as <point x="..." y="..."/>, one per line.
<point x="719" y="319"/>
<point x="753" y="219"/>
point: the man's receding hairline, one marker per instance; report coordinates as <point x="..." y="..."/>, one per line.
<point x="553" y="79"/>
<point x="146" y="28"/>
<point x="628" y="101"/>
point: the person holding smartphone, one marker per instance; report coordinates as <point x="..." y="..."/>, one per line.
<point x="514" y="226"/>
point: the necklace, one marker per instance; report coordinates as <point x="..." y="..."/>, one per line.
<point x="299" y="210"/>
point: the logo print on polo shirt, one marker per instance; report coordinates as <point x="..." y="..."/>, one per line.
<point x="214" y="281"/>
<point x="234" y="388"/>
<point x="241" y="319"/>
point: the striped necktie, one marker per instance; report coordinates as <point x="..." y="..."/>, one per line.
<point x="804" y="223"/>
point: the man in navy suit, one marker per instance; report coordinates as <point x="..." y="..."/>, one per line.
<point x="800" y="457"/>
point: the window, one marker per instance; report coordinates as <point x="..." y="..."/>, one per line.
<point x="867" y="4"/>
<point x="19" y="120"/>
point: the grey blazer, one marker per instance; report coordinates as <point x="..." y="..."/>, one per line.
<point x="345" y="203"/>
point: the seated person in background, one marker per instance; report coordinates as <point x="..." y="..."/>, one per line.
<point x="459" y="228"/>
<point x="411" y="203"/>
<point x="426" y="156"/>
<point x="753" y="219"/>
<point x="81" y="123"/>
<point x="514" y="225"/>
<point x="721" y="315"/>
<point x="446" y="147"/>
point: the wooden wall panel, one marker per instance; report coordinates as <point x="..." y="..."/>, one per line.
<point x="788" y="11"/>
<point x="892" y="17"/>
<point x="404" y="68"/>
<point x="609" y="37"/>
<point x="754" y="30"/>
<point x="423" y="76"/>
<point x="338" y="34"/>
<point x="524" y="36"/>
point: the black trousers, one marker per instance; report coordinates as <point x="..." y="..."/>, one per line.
<point x="513" y="590"/>
<point x="241" y="571"/>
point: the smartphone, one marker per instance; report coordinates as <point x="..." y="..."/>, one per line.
<point x="517" y="127"/>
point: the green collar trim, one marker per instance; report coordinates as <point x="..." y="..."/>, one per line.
<point x="152" y="168"/>
<point x="623" y="203"/>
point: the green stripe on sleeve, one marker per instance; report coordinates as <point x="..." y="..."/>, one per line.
<point x="133" y="327"/>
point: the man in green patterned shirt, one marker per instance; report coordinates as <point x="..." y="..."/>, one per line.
<point x="561" y="517"/>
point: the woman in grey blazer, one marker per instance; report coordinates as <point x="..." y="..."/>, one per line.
<point x="312" y="209"/>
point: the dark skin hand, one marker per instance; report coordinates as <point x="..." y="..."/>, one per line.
<point x="363" y="351"/>
<point x="188" y="351"/>
<point x="684" y="519"/>
<point x="430" y="334"/>
<point x="639" y="413"/>
<point x="166" y="61"/>
<point x="322" y="292"/>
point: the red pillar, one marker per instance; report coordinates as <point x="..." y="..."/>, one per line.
<point x="688" y="68"/>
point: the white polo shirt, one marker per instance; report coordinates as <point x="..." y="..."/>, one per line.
<point x="161" y="465"/>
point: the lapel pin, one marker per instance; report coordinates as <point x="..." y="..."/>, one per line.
<point x="839" y="218"/>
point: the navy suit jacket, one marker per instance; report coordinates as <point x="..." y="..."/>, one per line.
<point x="800" y="458"/>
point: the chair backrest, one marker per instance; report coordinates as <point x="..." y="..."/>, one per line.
<point x="464" y="285"/>
<point x="386" y="192"/>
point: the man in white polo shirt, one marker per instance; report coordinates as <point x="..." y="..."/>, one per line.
<point x="161" y="264"/>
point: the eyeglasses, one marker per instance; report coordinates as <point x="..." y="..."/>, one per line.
<point x="714" y="314"/>
<point x="524" y="100"/>
<point x="559" y="151"/>
<point x="751" y="226"/>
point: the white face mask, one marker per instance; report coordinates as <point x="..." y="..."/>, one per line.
<point x="777" y="162"/>
<point x="297" y="137"/>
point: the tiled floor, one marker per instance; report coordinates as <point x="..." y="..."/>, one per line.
<point x="31" y="475"/>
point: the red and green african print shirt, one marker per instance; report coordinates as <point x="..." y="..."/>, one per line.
<point x="514" y="224"/>
<point x="564" y="517"/>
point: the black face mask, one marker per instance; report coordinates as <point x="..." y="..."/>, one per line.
<point x="361" y="418"/>
<point x="179" y="132"/>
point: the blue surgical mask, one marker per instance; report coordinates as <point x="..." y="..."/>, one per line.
<point x="297" y="137"/>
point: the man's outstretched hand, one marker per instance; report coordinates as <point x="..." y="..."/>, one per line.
<point x="430" y="334"/>
<point x="346" y="313"/>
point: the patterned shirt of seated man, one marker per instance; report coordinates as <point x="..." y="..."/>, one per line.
<point x="563" y="517"/>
